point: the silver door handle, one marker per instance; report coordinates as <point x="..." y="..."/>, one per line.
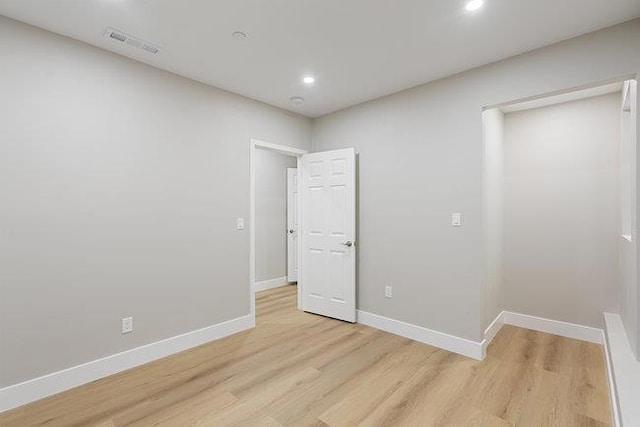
<point x="292" y="231"/>
<point x="348" y="243"/>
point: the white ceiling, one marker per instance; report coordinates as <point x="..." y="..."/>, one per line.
<point x="357" y="49"/>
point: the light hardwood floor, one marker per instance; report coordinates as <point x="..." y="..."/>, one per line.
<point x="298" y="369"/>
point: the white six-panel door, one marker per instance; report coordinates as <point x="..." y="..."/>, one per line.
<point x="328" y="246"/>
<point x="292" y="224"/>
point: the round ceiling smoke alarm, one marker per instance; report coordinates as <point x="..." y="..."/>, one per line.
<point x="297" y="100"/>
<point x="239" y="35"/>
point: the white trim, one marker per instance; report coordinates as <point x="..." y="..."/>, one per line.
<point x="252" y="231"/>
<point x="47" y="385"/>
<point x="269" y="284"/>
<point x="473" y="349"/>
<point x="491" y="332"/>
<point x="293" y="230"/>
<point x="555" y="327"/>
<point x="282" y="149"/>
<point x="573" y="95"/>
<point x="613" y="393"/>
<point x="448" y="342"/>
<point x="592" y="85"/>
<point x="625" y="369"/>
<point x="298" y="278"/>
<point x="626" y="96"/>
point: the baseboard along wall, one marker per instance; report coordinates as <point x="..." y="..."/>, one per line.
<point x="624" y="373"/>
<point x="57" y="382"/>
<point x="38" y="388"/>
<point x="447" y="342"/>
<point x="473" y="349"/>
<point x="269" y="284"/>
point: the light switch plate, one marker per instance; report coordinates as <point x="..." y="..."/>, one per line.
<point x="240" y="224"/>
<point x="388" y="291"/>
<point x="456" y="219"/>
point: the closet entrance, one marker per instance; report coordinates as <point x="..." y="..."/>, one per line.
<point x="559" y="205"/>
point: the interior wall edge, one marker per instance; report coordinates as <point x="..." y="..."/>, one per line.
<point x="493" y="329"/>
<point x="613" y="392"/>
<point x="625" y="371"/>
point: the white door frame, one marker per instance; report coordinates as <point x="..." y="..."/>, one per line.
<point x="292" y="224"/>
<point x="256" y="144"/>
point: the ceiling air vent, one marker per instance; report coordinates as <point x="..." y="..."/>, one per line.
<point x="150" y="48"/>
<point x="131" y="41"/>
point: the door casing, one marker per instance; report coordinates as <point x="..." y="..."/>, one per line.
<point x="293" y="225"/>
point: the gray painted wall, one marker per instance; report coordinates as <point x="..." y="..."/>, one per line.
<point x="271" y="213"/>
<point x="121" y="185"/>
<point x="562" y="210"/>
<point x="421" y="159"/>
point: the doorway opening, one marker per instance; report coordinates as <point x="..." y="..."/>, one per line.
<point x="559" y="206"/>
<point x="273" y="218"/>
<point x="322" y="224"/>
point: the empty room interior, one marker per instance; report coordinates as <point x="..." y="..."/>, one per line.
<point x="336" y="213"/>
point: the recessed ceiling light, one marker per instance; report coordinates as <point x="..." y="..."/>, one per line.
<point x="239" y="35"/>
<point x="297" y="100"/>
<point x="309" y="80"/>
<point x="474" y="5"/>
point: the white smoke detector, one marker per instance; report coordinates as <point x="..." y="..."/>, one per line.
<point x="297" y="100"/>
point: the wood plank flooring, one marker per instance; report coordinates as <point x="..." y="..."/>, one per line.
<point x="298" y="369"/>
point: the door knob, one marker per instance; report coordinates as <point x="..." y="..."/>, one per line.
<point x="348" y="243"/>
<point x="292" y="231"/>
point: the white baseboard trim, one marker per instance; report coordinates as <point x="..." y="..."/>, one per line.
<point x="448" y="342"/>
<point x="625" y="372"/>
<point x="477" y="350"/>
<point x="555" y="327"/>
<point x="613" y="392"/>
<point x="491" y="332"/>
<point x="269" y="284"/>
<point x="47" y="385"/>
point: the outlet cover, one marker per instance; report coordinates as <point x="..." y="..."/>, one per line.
<point x="127" y="325"/>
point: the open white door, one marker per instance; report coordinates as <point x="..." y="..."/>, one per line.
<point x="328" y="245"/>
<point x="292" y="224"/>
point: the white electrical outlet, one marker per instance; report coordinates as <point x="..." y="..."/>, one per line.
<point x="388" y="291"/>
<point x="127" y="325"/>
